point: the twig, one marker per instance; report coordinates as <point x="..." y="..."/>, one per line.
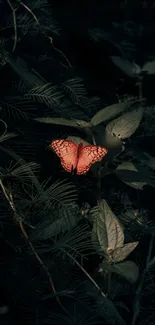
<point x="136" y="304"/>
<point x="119" y="320"/>
<point x="14" y="24"/>
<point x="9" y="198"/>
<point x="87" y="274"/>
<point x="59" y="51"/>
<point x="30" y="11"/>
<point x="50" y="38"/>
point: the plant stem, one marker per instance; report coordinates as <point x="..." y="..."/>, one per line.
<point x="50" y="38"/>
<point x="17" y="217"/>
<point x="136" y="303"/>
<point x="14" y="24"/>
<point x="87" y="274"/>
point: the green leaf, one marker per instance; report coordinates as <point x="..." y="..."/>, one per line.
<point x="120" y="253"/>
<point x="107" y="230"/>
<point x="128" y="270"/>
<point x="129" y="174"/>
<point x="108" y="113"/>
<point x="124" y="126"/>
<point x="130" y="69"/>
<point x="78" y="140"/>
<point x="149" y="67"/>
<point x="62" y="121"/>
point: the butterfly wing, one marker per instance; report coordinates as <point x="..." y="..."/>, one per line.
<point x="67" y="151"/>
<point x="88" y="156"/>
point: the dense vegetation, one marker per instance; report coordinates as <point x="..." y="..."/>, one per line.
<point x="77" y="249"/>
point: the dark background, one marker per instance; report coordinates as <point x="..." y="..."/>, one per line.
<point x="90" y="32"/>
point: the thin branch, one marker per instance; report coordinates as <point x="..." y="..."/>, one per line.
<point x="59" y="51"/>
<point x="120" y="321"/>
<point x="136" y="304"/>
<point x="30" y="11"/>
<point x="87" y="274"/>
<point x="50" y="38"/>
<point x="17" y="217"/>
<point x="14" y="24"/>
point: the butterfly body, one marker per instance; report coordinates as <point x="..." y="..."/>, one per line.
<point x="77" y="157"/>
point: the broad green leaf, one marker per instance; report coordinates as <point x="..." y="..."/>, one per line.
<point x="114" y="144"/>
<point x="120" y="253"/>
<point x="130" y="175"/>
<point x="108" y="113"/>
<point x="63" y="121"/>
<point x="130" y="69"/>
<point x="127" y="269"/>
<point x="106" y="228"/>
<point x="149" y="67"/>
<point x="77" y="140"/>
<point x="124" y="126"/>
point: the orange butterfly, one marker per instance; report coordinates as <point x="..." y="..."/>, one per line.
<point x="77" y="157"/>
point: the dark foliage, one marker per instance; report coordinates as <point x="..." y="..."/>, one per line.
<point x="77" y="249"/>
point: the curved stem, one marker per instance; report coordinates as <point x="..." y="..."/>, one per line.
<point x="14" y="24"/>
<point x="18" y="218"/>
<point x="136" y="304"/>
<point x="87" y="274"/>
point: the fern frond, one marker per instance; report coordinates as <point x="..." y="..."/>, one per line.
<point x="29" y="76"/>
<point x="21" y="161"/>
<point x="39" y="4"/>
<point x="7" y="136"/>
<point x="61" y="193"/>
<point x="22" y="172"/>
<point x="76" y="242"/>
<point x="74" y="88"/>
<point x="65" y="220"/>
<point x="19" y="172"/>
<point x="48" y="94"/>
<point x="76" y="317"/>
<point x="25" y="22"/>
<point x="19" y="87"/>
<point x="41" y="15"/>
<point x="17" y="107"/>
